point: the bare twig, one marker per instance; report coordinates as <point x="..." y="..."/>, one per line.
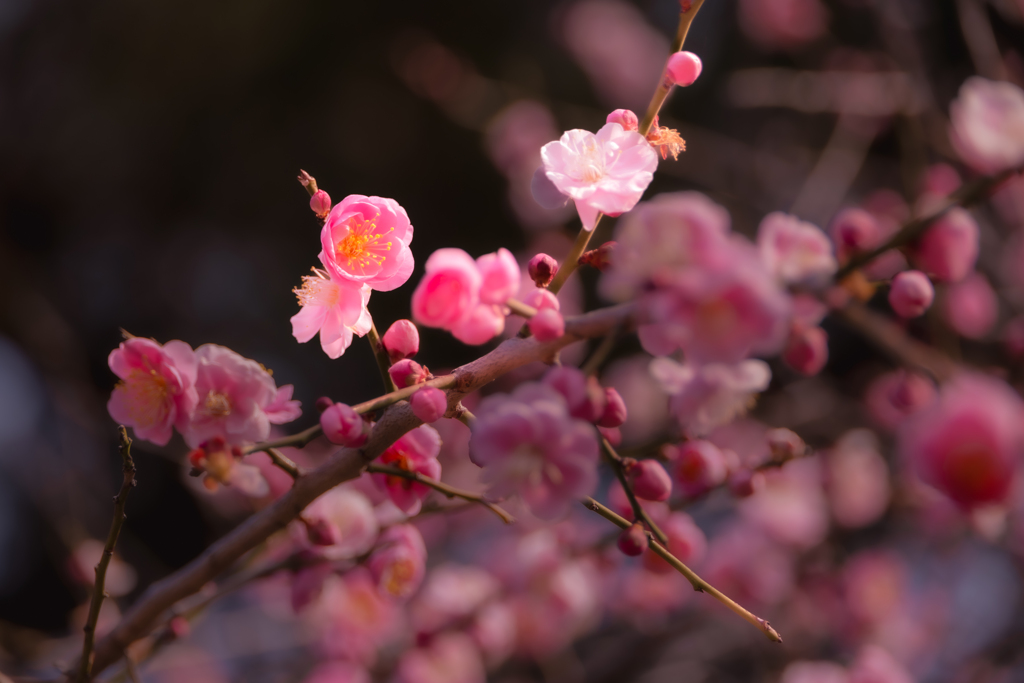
<point x="601" y="353"/>
<point x="284" y="462"/>
<point x="698" y="583"/>
<point x="381" y="354"/>
<point x="521" y="309"/>
<point x="98" y="592"/>
<point x="447" y="490"/>
<point x="638" y="511"/>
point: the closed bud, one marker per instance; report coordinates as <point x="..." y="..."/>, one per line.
<point x="344" y="426"/>
<point x="807" y="350"/>
<point x="547" y="325"/>
<point x="402" y="340"/>
<point x="625" y="118"/>
<point x="323" y="403"/>
<point x="614" y="409"/>
<point x="650" y="481"/>
<point x="322" y="531"/>
<point x="683" y="68"/>
<point x="407" y="373"/>
<point x="320" y="203"/>
<point x="745" y="483"/>
<point x="542" y="269"/>
<point x="911" y="294"/>
<point x="784" y="444"/>
<point x="633" y="541"/>
<point x="429" y="404"/>
<point x="599" y="258"/>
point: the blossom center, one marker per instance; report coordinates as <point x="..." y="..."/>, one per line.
<point x="216" y="405"/>
<point x="363" y="249"/>
<point x="317" y="290"/>
<point x="147" y="393"/>
<point x="588" y="166"/>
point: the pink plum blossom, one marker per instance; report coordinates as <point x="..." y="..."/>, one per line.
<point x="156" y="391"/>
<point x="399" y="562"/>
<point x="911" y="294"/>
<point x="875" y="665"/>
<point x="222" y="464"/>
<point x="987" y="124"/>
<point x="698" y="465"/>
<point x="449" y="290"/>
<point x="542" y="269"/>
<point x="402" y="340"/>
<point x="359" y="619"/>
<point x="416" y="451"/>
<point x="783" y="24"/>
<point x="683" y="68"/>
<point x="450" y="658"/>
<point x="971" y="307"/>
<point x="234" y="395"/>
<point x="706" y="396"/>
<point x="625" y="118"/>
<point x="854" y="231"/>
<point x="615" y="412"/>
<point x="500" y="275"/>
<point x="806" y="350"/>
<point x="802" y="671"/>
<point x="547" y="324"/>
<point x="949" y="247"/>
<point x="351" y="513"/>
<point x="333" y="307"/>
<point x="748" y="566"/>
<point x="603" y="173"/>
<point x="857" y="480"/>
<point x="795" y="251"/>
<point x="344" y="426"/>
<point x="969" y="442"/>
<point x="407" y="373"/>
<point x="482" y="324"/>
<point x="791" y="507"/>
<point x="451" y="593"/>
<point x="366" y="241"/>
<point x="527" y="443"/>
<point x="894" y="396"/>
<point x="429" y="404"/>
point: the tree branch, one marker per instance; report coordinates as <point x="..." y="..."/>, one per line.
<point x="638" y="511"/>
<point x="98" y="593"/>
<point x="381" y="354"/>
<point x="447" y="490"/>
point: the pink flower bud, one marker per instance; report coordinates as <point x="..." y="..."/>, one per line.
<point x="614" y="409"/>
<point x="320" y="203"/>
<point x="683" y="68"/>
<point x="402" y="340"/>
<point x="745" y="483"/>
<point x="429" y="404"/>
<point x="807" y="350"/>
<point x="599" y="258"/>
<point x="854" y="230"/>
<point x="698" y="465"/>
<point x="584" y="396"/>
<point x="547" y="325"/>
<point x="650" y="481"/>
<point x="541" y="298"/>
<point x="633" y="541"/>
<point x="500" y="273"/>
<point x="323" y="403"/>
<point x="407" y="373"/>
<point x="911" y="294"/>
<point x="542" y="269"/>
<point x="322" y="531"/>
<point x="784" y="444"/>
<point x="344" y="426"/>
<point x="948" y="249"/>
<point x="613" y="434"/>
<point x="685" y="540"/>
<point x="625" y="118"/>
<point x="971" y="307"/>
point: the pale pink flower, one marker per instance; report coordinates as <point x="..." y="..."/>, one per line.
<point x="351" y="513"/>
<point x="894" y="396"/>
<point x="234" y="395"/>
<point x="745" y="564"/>
<point x="948" y="249"/>
<point x="683" y="68"/>
<point x="500" y="275"/>
<point x="969" y="442"/>
<point x="402" y="340"/>
<point x="858" y="480"/>
<point x="480" y="325"/>
<point x="449" y="290"/>
<point x="547" y="324"/>
<point x="987" y="124"/>
<point x="792" y="507"/>
<point x="415" y="451"/>
<point x="660" y="236"/>
<point x="156" y="391"/>
<point x="970" y="307"/>
<point x="875" y="665"/>
<point x="360" y="619"/>
<point x="795" y="251"/>
<point x="911" y="294"/>
<point x="398" y="564"/>
<point x="527" y="443"/>
<point x="452" y="592"/>
<point x="333" y="307"/>
<point x="450" y="658"/>
<point x="366" y="241"/>
<point x="707" y="396"/>
<point x="603" y="173"/>
<point x="783" y="24"/>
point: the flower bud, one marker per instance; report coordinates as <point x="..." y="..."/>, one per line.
<point x="625" y="118"/>
<point x="854" y="230"/>
<point x="320" y="203"/>
<point x="613" y="434"/>
<point x="323" y="403"/>
<point x="429" y="404"/>
<point x="745" y="483"/>
<point x="699" y="466"/>
<point x="541" y="298"/>
<point x="322" y="531"/>
<point x="344" y="426"/>
<point x="547" y="325"/>
<point x="971" y="307"/>
<point x="407" y="373"/>
<point x="683" y="68"/>
<point x="584" y="396"/>
<point x="807" y="350"/>
<point x="949" y="248"/>
<point x="649" y="480"/>
<point x="599" y="258"/>
<point x="784" y="444"/>
<point x="402" y="340"/>
<point x="614" y="409"/>
<point x="542" y="269"/>
<point x="911" y="294"/>
<point x="633" y="541"/>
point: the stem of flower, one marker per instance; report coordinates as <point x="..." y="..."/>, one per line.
<point x="698" y="583"/>
<point x="381" y="354"/>
<point x="521" y="309"/>
<point x="98" y="592"/>
<point x="638" y="511"/>
<point x="661" y="94"/>
<point x="284" y="462"/>
<point x="447" y="490"/>
<point x="571" y="262"/>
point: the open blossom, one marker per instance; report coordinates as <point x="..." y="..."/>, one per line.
<point x="969" y="442"/>
<point x="360" y="619"/>
<point x="333" y="307"/>
<point x="528" y="444"/>
<point x="450" y="658"/>
<point x="399" y="562"/>
<point x="416" y="451"/>
<point x="987" y="124"/>
<point x="500" y="276"/>
<point x="156" y="391"/>
<point x="606" y="172"/>
<point x="350" y="514"/>
<point x="235" y="395"/>
<point x="366" y="240"/>
<point x="223" y="464"/>
<point x="706" y="396"/>
<point x="795" y="251"/>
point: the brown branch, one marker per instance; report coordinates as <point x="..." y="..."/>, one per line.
<point x="284" y="462"/>
<point x="685" y="20"/>
<point x="447" y="490"/>
<point x="383" y="360"/>
<point x="521" y="309"/>
<point x="698" y="583"/>
<point x="638" y="511"/>
<point x="344" y="465"/>
<point x="98" y="593"/>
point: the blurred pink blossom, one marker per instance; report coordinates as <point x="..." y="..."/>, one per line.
<point x="351" y="513"/>
<point x="452" y="592"/>
<point x="366" y="241"/>
<point x="338" y="672"/>
<point x="450" y="658"/>
<point x="686" y="542"/>
<point x="398" y="564"/>
<point x="707" y="396"/>
<point x="911" y="294"/>
<point x="649" y="480"/>
<point x="949" y="247"/>
<point x="500" y="276"/>
<point x="449" y="290"/>
<point x="795" y="251"/>
<point x="857" y="480"/>
<point x="894" y="396"/>
<point x="415" y="451"/>
<point x="698" y="466"/>
<point x="792" y="507"/>
<point x="806" y="349"/>
<point x="803" y="671"/>
<point x="987" y="124"/>
<point x="970" y="307"/>
<point x="358" y="619"/>
<point x="783" y="24"/>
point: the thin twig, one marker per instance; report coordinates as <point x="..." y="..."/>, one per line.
<point x="98" y="592"/>
<point x="381" y="354"/>
<point x="571" y="262"/>
<point x="638" y="511"/>
<point x="447" y="490"/>
<point x="665" y="86"/>
<point x="521" y="309"/>
<point x="698" y="583"/>
<point x="601" y="353"/>
<point x="284" y="462"/>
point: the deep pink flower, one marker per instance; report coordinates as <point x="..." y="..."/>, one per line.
<point x="683" y="68"/>
<point x="450" y="658"/>
<point x="894" y="396"/>
<point x="603" y="173"/>
<point x="968" y="443"/>
<point x="366" y="241"/>
<point x="527" y="443"/>
<point x="698" y="465"/>
<point x="948" y="249"/>
<point x="795" y="251"/>
<point x="429" y="404"/>
<point x="449" y="290"/>
<point x="707" y="396"/>
<point x="320" y="203"/>
<point x="649" y="480"/>
<point x="542" y="269"/>
<point x="971" y="307"/>
<point x="911" y="294"/>
<point x="344" y="426"/>
<point x="615" y="412"/>
<point x="500" y="276"/>
<point x="402" y="340"/>
<point x="853" y="231"/>
<point x="234" y="395"/>
<point x="547" y="325"/>
<point x="156" y="391"/>
<point x="987" y="124"/>
<point x="783" y="24"/>
<point x="480" y="325"/>
<point x="416" y="451"/>
<point x="633" y="541"/>
<point x="398" y="564"/>
<point x="333" y="307"/>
